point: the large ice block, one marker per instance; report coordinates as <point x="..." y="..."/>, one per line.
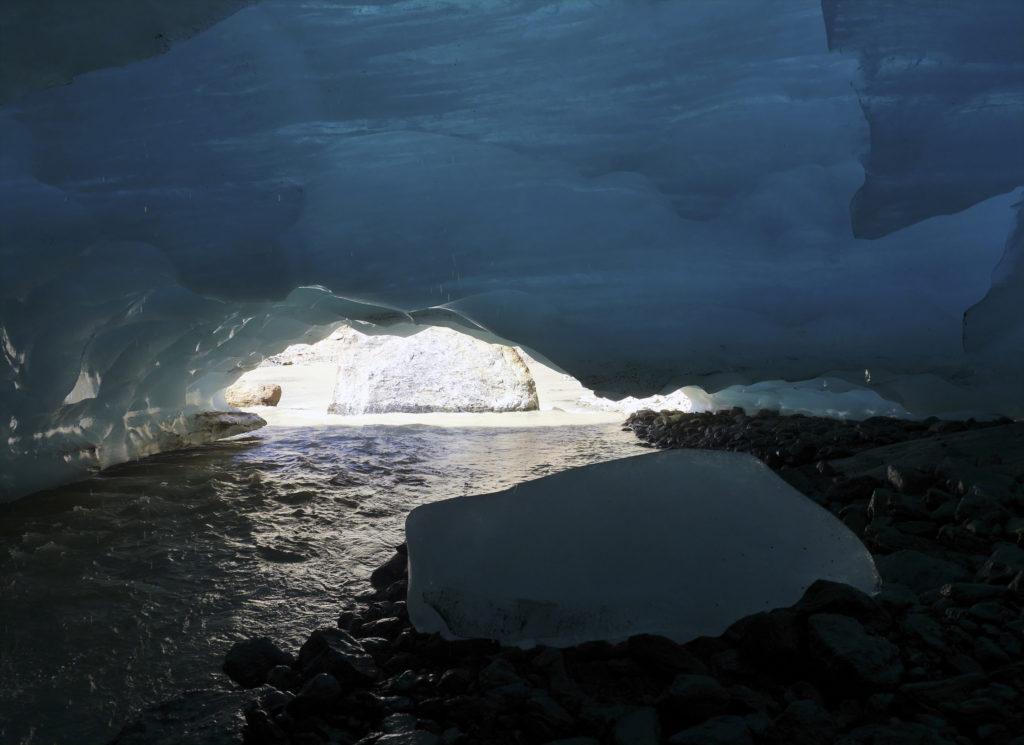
<point x="680" y="543"/>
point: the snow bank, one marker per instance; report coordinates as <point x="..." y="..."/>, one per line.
<point x="433" y="369"/>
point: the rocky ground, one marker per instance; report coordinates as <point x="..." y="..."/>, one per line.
<point x="934" y="658"/>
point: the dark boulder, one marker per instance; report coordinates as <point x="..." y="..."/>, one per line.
<point x="330" y="650"/>
<point x="908" y="480"/>
<point x="920" y="572"/>
<point x="771" y="639"/>
<point x="803" y="722"/>
<point x="282" y="677"/>
<point x="319" y="693"/>
<point x="249" y="662"/>
<point x="824" y="596"/>
<point x="638" y="726"/>
<point x="726" y="730"/>
<point x="692" y="699"/>
<point x="847" y="655"/>
<point x="663" y="654"/>
<point x="391" y="571"/>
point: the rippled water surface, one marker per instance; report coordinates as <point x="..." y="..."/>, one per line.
<point x="123" y="590"/>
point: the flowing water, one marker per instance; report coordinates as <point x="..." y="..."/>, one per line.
<point x="125" y="589"/>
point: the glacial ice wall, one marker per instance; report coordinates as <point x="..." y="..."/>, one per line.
<point x="648" y="193"/>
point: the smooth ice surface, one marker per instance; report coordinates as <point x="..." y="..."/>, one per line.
<point x="680" y="543"/>
<point x="649" y="194"/>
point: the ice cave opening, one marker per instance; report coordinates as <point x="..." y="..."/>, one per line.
<point x="454" y="372"/>
<point x="459" y="375"/>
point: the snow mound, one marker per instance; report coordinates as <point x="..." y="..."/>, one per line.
<point x="680" y="543"/>
<point x="436" y="369"/>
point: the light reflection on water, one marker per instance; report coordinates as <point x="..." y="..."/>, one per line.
<point x="123" y="590"/>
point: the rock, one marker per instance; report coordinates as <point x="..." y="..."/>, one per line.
<point x="275" y="700"/>
<point x="244" y="394"/>
<point x="896" y="598"/>
<point x="405" y="682"/>
<point x="454" y="736"/>
<point x="907" y="479"/>
<point x="637" y="727"/>
<point x="456" y="680"/>
<point x="316" y="695"/>
<point x="920" y="572"/>
<point x="663" y="654"/>
<point x="436" y="369"/>
<point x="330" y="650"/>
<point x="885" y="537"/>
<point x="499" y="672"/>
<point x="544" y="716"/>
<point x="282" y="677"/>
<point x="988" y="653"/>
<point x="398" y="723"/>
<point x="895" y="504"/>
<point x="249" y="662"/>
<point x="262" y="729"/>
<point x="978" y="502"/>
<point x="968" y="593"/>
<point x="375" y="644"/>
<point x="855" y="517"/>
<point x="383" y="627"/>
<point x="692" y="699"/>
<point x="894" y="733"/>
<point x="1016" y="585"/>
<point x="850" y="656"/>
<point x="397" y="703"/>
<point x="725" y="730"/>
<point x="1003" y="564"/>
<point x="747" y="700"/>
<point x="946" y="693"/>
<point x="770" y="638"/>
<point x="824" y="596"/>
<point x="416" y="737"/>
<point x="925" y="629"/>
<point x="803" y="722"/>
<point x="962" y="540"/>
<point x="390" y="571"/>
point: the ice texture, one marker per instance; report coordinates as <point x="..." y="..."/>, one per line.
<point x="49" y="42"/>
<point x="649" y="194"/>
<point x="680" y="543"/>
<point x="941" y="89"/>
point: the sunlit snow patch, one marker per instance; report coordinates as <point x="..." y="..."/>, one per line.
<point x="680" y="543"/>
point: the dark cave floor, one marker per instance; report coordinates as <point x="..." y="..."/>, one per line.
<point x="934" y="658"/>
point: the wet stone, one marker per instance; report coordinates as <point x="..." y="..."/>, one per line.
<point x="330" y="650"/>
<point x="725" y="730"/>
<point x="847" y="654"/>
<point x="249" y="662"/>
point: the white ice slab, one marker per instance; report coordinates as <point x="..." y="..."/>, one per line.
<point x="680" y="543"/>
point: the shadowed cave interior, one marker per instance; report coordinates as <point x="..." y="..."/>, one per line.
<point x="537" y="371"/>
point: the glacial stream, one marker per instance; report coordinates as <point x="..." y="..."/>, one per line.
<point x="127" y="588"/>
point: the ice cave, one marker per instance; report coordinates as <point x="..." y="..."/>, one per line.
<point x="364" y="363"/>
